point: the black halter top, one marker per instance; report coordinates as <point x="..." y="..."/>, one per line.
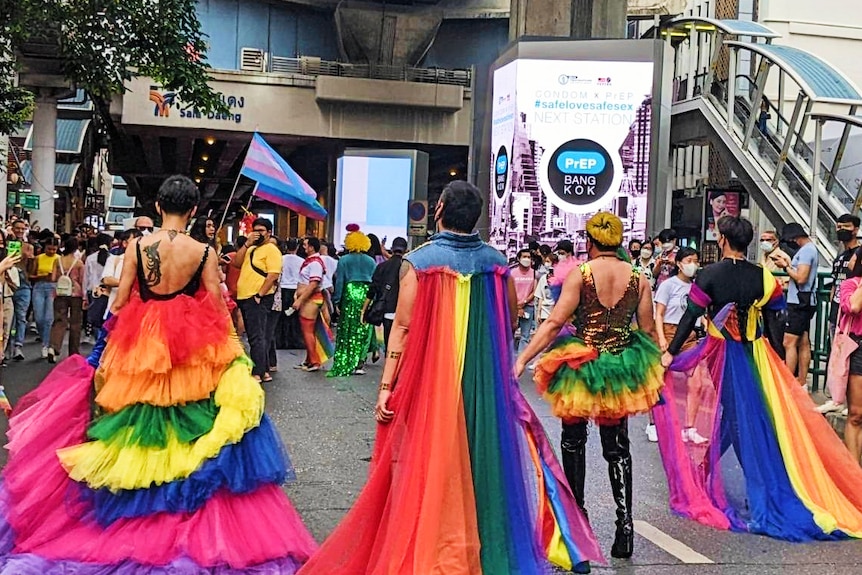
<point x="190" y="289"/>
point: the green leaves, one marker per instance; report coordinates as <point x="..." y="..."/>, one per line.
<point x="104" y="43"/>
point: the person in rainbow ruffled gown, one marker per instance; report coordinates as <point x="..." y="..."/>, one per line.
<point x="463" y="479"/>
<point x="153" y="455"/>
<point x="773" y="465"/>
<point x="605" y="371"/>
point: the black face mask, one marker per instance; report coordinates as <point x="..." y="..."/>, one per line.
<point x="260" y="240"/>
<point x="792" y="244"/>
<point x="845" y="235"/>
<point x="636" y="254"/>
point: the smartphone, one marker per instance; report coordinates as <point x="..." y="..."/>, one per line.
<point x="13" y="248"/>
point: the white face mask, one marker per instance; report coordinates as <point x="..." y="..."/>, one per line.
<point x="646" y="254"/>
<point x="562" y="257"/>
<point x="689" y="269"/>
<point x="667" y="246"/>
<point x="767" y="247"/>
<point x="526" y="262"/>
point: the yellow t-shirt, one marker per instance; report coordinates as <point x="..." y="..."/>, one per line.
<point x="45" y="264"/>
<point x="266" y="258"/>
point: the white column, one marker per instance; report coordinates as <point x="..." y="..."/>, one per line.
<point x="815" y="180"/>
<point x="4" y="171"/>
<point x="44" y="159"/>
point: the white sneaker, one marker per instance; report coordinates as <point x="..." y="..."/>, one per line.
<point x="44" y="353"/>
<point x="829" y="407"/>
<point x="690" y="435"/>
<point x="846" y="412"/>
<point x="651" y="433"/>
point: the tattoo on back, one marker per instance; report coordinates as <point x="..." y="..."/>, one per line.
<point x="154" y="264"/>
<point x="172" y="234"/>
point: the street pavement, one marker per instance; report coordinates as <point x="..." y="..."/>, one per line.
<point x="328" y="428"/>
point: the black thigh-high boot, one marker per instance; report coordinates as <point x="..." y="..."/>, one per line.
<point x="574" y="447"/>
<point x="615" y="448"/>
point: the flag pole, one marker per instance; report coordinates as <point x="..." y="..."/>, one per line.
<point x="229" y="200"/>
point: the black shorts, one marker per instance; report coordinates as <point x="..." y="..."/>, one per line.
<point x="856" y="357"/>
<point x="799" y="318"/>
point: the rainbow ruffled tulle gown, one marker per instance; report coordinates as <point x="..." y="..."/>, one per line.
<point x="773" y="465"/>
<point x="463" y="480"/>
<point x="160" y="460"/>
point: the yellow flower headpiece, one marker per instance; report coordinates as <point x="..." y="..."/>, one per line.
<point x="356" y="241"/>
<point x="606" y="228"/>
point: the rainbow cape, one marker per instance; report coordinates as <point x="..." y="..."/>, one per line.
<point x="463" y="480"/>
<point x="772" y="464"/>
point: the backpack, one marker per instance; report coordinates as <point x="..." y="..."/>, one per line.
<point x="65" y="286"/>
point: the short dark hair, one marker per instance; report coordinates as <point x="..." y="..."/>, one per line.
<point x="178" y="195"/>
<point x="737" y="231"/>
<point x="716" y="194"/>
<point x="462" y="206"/>
<point x="545" y="250"/>
<point x="686" y="252"/>
<point x="533" y="245"/>
<point x="71" y="245"/>
<point x="849" y="219"/>
<point x="524" y="251"/>
<point x="262" y="222"/>
<point x="635" y="241"/>
<point x="666" y="235"/>
<point x="313" y="242"/>
<point x="292" y="245"/>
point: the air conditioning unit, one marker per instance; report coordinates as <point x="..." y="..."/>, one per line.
<point x="309" y="65"/>
<point x="252" y="60"/>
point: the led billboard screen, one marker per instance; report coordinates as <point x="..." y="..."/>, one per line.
<point x="568" y="138"/>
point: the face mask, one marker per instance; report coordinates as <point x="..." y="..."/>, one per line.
<point x="689" y="269"/>
<point x="792" y="243"/>
<point x="260" y="240"/>
<point x="563" y="257"/>
<point x="657" y="250"/>
<point x="146" y="233"/>
<point x="845" y="235"/>
<point x="767" y="247"/>
<point x="667" y="246"/>
<point x="636" y="254"/>
<point x="526" y="262"/>
<point x="646" y="254"/>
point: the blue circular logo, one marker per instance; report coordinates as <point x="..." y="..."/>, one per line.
<point x="501" y="171"/>
<point x="417" y="212"/>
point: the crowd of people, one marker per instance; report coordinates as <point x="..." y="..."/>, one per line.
<point x="158" y="439"/>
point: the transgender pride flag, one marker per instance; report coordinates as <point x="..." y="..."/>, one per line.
<point x="277" y="182"/>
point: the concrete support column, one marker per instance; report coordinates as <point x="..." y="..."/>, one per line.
<point x="44" y="158"/>
<point x="4" y="173"/>
<point x="578" y="19"/>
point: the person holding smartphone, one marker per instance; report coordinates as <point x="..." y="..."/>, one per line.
<point x="24" y="293"/>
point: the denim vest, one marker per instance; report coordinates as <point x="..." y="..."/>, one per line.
<point x="462" y="253"/>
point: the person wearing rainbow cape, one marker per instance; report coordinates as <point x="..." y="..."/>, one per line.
<point x="605" y="371"/>
<point x="154" y="454"/>
<point x="773" y="465"/>
<point x="463" y="480"/>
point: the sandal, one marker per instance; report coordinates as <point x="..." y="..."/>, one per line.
<point x="266" y="378"/>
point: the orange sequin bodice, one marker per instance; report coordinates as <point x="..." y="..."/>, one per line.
<point x="607" y="329"/>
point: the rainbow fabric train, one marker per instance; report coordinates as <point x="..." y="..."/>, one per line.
<point x="464" y="480"/>
<point x="154" y="456"/>
<point x="773" y="465"/>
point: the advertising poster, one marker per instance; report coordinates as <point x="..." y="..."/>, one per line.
<point x="719" y="203"/>
<point x="578" y="138"/>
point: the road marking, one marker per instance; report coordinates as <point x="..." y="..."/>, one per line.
<point x="664" y="541"/>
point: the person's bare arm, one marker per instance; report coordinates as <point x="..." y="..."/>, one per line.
<point x="513" y="303"/>
<point x="659" y="325"/>
<point x="127" y="277"/>
<point x="211" y="281"/>
<point x="55" y="273"/>
<point x="646" y="323"/>
<point x="407" y="290"/>
<point x="569" y="300"/>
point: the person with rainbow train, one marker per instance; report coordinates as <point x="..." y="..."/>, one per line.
<point x="773" y="465"/>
